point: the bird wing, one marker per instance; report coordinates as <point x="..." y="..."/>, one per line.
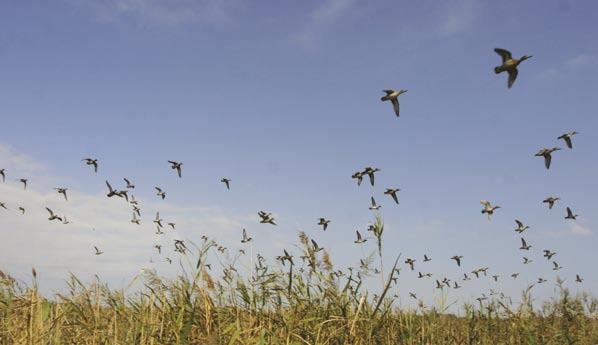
<point x="519" y="223"/>
<point x="373" y="202"/>
<point x="51" y="213"/>
<point x="523" y="244"/>
<point x="547" y="160"/>
<point x="505" y="54"/>
<point x="158" y="189"/>
<point x="396" y="106"/>
<point x="512" y="76"/>
<point x="109" y="186"/>
<point x="568" y="141"/>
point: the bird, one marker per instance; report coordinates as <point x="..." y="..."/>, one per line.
<point x="226" y="181"/>
<point x="129" y="184"/>
<point x="3" y="205"/>
<point x="3" y="174"/>
<point x="123" y="194"/>
<point x="358" y="176"/>
<point x="509" y="64"/>
<point x="556" y="266"/>
<point x="570" y="214"/>
<point x="370" y="172"/>
<point x="266" y="218"/>
<point x="324" y="223"/>
<point x="520" y="227"/>
<point x="177" y="166"/>
<point x="488" y="208"/>
<point x="137" y="210"/>
<point x="172" y="225"/>
<point x="524" y="245"/>
<point x="160" y="192"/>
<point x="393" y="194"/>
<point x="465" y="277"/>
<point x="65" y="220"/>
<point x="495" y="277"/>
<point x="245" y="237"/>
<point x="413" y="295"/>
<point x="567" y="138"/>
<point x="514" y="275"/>
<point x="541" y="280"/>
<point x="578" y="278"/>
<point x="91" y="161"/>
<point x="111" y="192"/>
<point x="52" y="215"/>
<point x="359" y="238"/>
<point x="135" y="220"/>
<point x="548" y="254"/>
<point x="316" y="247"/>
<point x="24" y="182"/>
<point x="426" y="258"/>
<point x="169" y="260"/>
<point x="98" y="252"/>
<point x="374" y="205"/>
<point x="393" y="97"/>
<point x="410" y="262"/>
<point x="456" y="286"/>
<point x="62" y="191"/>
<point x="550" y="201"/>
<point x="547" y="154"/>
<point x="133" y="201"/>
<point x="527" y="261"/>
<point x="159" y="248"/>
<point x="158" y="220"/>
<point x="457" y="258"/>
<point x="22" y="209"/>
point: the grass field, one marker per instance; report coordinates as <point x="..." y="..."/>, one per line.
<point x="295" y="303"/>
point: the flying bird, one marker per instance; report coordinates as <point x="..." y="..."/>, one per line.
<point x="393" y="194"/>
<point x="374" y="205"/>
<point x="158" y="220"/>
<point x="129" y="184"/>
<point x="176" y="166"/>
<point x="160" y="192"/>
<point x="324" y="223"/>
<point x="426" y="258"/>
<point x="509" y="64"/>
<point x="91" y="161"/>
<point x="547" y="154"/>
<point x="358" y="176"/>
<point x="226" y="181"/>
<point x="370" y="172"/>
<point x="457" y="258"/>
<point x="550" y="201"/>
<point x="21" y="208"/>
<point x="52" y="215"/>
<point x="393" y="97"/>
<point x="527" y="261"/>
<point x="488" y="208"/>
<point x="98" y="252"/>
<point x="578" y="278"/>
<point x="524" y="245"/>
<point x="410" y="262"/>
<point x="135" y="220"/>
<point x="359" y="238"/>
<point x="266" y="218"/>
<point x="63" y="192"/>
<point x="567" y="138"/>
<point x="570" y="214"/>
<point x="520" y="227"/>
<point x="548" y="254"/>
<point x="245" y="237"/>
<point x="24" y="182"/>
<point x="556" y="266"/>
<point x="3" y="205"/>
<point x="3" y="174"/>
<point x="316" y="247"/>
<point x="111" y="192"/>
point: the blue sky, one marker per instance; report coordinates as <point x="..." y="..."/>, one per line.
<point x="283" y="98"/>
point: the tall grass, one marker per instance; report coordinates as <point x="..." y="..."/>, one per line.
<point x="307" y="301"/>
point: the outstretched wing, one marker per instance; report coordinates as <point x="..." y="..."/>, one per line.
<point x="504" y="54"/>
<point x="512" y="76"/>
<point x="396" y="106"/>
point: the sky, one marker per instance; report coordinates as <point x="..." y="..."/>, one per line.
<point x="283" y="98"/>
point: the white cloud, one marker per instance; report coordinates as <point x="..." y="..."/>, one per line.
<point x="327" y="13"/>
<point x="573" y="64"/>
<point x="172" y="12"/>
<point x="578" y="229"/>
<point x="581" y="61"/>
<point x="458" y="17"/>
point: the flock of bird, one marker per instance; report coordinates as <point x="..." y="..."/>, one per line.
<point x="509" y="65"/>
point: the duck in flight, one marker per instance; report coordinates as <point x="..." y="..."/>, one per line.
<point x="457" y="258"/>
<point x="567" y="138"/>
<point x="3" y="174"/>
<point x="393" y="97"/>
<point x="24" y="182"/>
<point x="98" y="252"/>
<point x="129" y="184"/>
<point x="374" y="206"/>
<point x="160" y="192"/>
<point x="488" y="208"/>
<point x="324" y="223"/>
<point x="226" y="182"/>
<point x="571" y="215"/>
<point x="176" y="166"/>
<point x="359" y="239"/>
<point x="509" y="64"/>
<point x="547" y="154"/>
<point x="93" y="162"/>
<point x="524" y="245"/>
<point x="266" y="218"/>
<point x="393" y="194"/>
<point x="52" y="215"/>
<point x="245" y="237"/>
<point x="550" y="201"/>
<point x="520" y="227"/>
<point x="63" y="192"/>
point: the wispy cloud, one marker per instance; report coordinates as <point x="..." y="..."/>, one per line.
<point x="171" y="12"/>
<point x="574" y="64"/>
<point x="457" y="17"/>
<point x="578" y="229"/>
<point x="327" y="13"/>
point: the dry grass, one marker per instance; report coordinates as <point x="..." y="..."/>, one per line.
<point x="296" y="303"/>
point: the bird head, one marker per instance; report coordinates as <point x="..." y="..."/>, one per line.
<point x="525" y="57"/>
<point x="402" y="91"/>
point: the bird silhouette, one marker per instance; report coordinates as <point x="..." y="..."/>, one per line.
<point x="63" y="192"/>
<point x="176" y="166"/>
<point x="567" y="138"/>
<point x="524" y="245"/>
<point x="226" y="182"/>
<point x="98" y="252"/>
<point x="93" y="162"/>
<point x="547" y="154"/>
<point x="24" y="182"/>
<point x="245" y="239"/>
<point x="129" y="184"/>
<point x="374" y="206"/>
<point x="570" y="214"/>
<point x="488" y="208"/>
<point x="160" y="192"/>
<point x="3" y="174"/>
<point x="520" y="227"/>
<point x="393" y="194"/>
<point x="359" y="238"/>
<point x="324" y="223"/>
<point x="550" y="201"/>
<point x="457" y="258"/>
<point x="53" y="216"/>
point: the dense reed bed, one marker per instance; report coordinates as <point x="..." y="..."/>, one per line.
<point x="304" y="301"/>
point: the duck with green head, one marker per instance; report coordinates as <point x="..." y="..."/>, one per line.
<point x="509" y="64"/>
